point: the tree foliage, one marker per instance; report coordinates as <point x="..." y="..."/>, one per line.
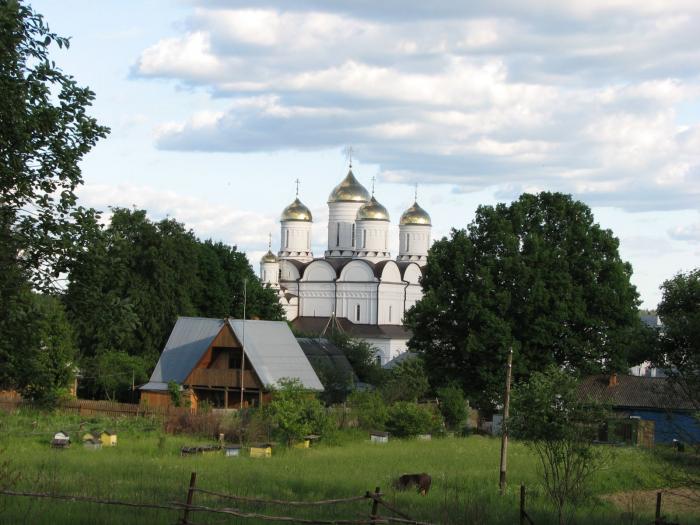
<point x="679" y="311"/>
<point x="453" y="406"/>
<point x="297" y="412"/>
<point x="407" y="419"/>
<point x="45" y="131"/>
<point x="136" y="276"/>
<point x="407" y="381"/>
<point x="560" y="426"/>
<point x="363" y="357"/>
<point x="537" y="275"/>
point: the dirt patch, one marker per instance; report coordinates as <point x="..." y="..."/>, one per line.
<point x="678" y="501"/>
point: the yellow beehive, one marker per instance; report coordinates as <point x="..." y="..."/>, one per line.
<point x="303" y="444"/>
<point x="108" y="438"/>
<point x="261" y="451"/>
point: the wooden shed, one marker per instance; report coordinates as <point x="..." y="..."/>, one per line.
<point x="206" y="358"/>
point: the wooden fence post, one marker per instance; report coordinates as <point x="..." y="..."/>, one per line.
<point x="657" y="518"/>
<point x="190" y="496"/>
<point x="375" y="505"/>
<point x="522" y="504"/>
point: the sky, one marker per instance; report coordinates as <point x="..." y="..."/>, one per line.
<point x="217" y="107"/>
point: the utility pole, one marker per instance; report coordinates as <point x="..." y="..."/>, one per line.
<point x="504" y="425"/>
<point x="245" y="299"/>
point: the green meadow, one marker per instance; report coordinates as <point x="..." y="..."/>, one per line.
<point x="146" y="466"/>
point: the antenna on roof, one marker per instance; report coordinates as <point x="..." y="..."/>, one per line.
<point x="245" y="300"/>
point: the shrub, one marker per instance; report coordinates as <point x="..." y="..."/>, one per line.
<point x="407" y="381"/>
<point x="407" y="419"/>
<point x="297" y="412"/>
<point x="370" y="409"/>
<point x="453" y="407"/>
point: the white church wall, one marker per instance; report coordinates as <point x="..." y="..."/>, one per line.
<point x="316" y="299"/>
<point x="390" y="303"/>
<point x="388" y="349"/>
<point x="357" y="302"/>
<point x="341" y="225"/>
<point x="295" y="240"/>
<point x="289" y="271"/>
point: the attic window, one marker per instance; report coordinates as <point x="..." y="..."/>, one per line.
<point x="234" y="358"/>
<point x="357" y="313"/>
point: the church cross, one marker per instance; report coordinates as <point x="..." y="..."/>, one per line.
<point x="269" y="242"/>
<point x="348" y="151"/>
<point x="373" y="180"/>
<point x="415" y="193"/>
<point x="297" y="181"/>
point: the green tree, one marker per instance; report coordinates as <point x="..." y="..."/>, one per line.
<point x="136" y="276"/>
<point x="407" y="419"/>
<point x="116" y="373"/>
<point x="560" y="426"/>
<point x="297" y="412"/>
<point x="679" y="354"/>
<point x="538" y="275"/>
<point x="363" y="357"/>
<point x="45" y="131"/>
<point x="679" y="339"/>
<point x="369" y="408"/>
<point x="407" y="381"/>
<point x="453" y="406"/>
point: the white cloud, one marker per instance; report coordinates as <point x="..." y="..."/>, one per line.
<point x="581" y="96"/>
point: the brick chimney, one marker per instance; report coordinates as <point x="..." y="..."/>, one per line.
<point x="612" y="381"/>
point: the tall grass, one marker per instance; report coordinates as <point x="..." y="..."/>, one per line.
<point x="146" y="466"/>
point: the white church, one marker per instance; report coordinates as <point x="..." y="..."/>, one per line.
<point x="356" y="286"/>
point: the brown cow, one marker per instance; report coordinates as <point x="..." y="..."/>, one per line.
<point x="420" y="481"/>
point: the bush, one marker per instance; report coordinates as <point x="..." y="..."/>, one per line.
<point x="297" y="412"/>
<point x="407" y="381"/>
<point x="407" y="419"/>
<point x="370" y="409"/>
<point x="453" y="407"/>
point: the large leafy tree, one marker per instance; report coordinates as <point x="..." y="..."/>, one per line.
<point x="44" y="133"/>
<point x="538" y="275"/>
<point x="679" y="354"/>
<point x="132" y="281"/>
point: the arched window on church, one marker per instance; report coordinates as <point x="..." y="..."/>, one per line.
<point x="286" y="239"/>
<point x="353" y="235"/>
<point x="279" y="275"/>
<point x="337" y="234"/>
<point x="408" y="242"/>
<point x="364" y="238"/>
<point x="389" y="313"/>
<point x="357" y="313"/>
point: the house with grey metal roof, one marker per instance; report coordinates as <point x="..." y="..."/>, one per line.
<point x="227" y="363"/>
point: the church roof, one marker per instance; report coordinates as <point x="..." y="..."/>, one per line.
<point x="316" y="325"/>
<point x="349" y="190"/>
<point x="338" y="263"/>
<point x="296" y="211"/>
<point x="415" y="215"/>
<point x="372" y="211"/>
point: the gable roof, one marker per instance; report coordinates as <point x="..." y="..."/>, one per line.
<point x="269" y="346"/>
<point x="274" y="352"/>
<point x="656" y="393"/>
<point x="190" y="338"/>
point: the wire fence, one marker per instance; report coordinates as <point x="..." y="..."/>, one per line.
<point x="189" y="508"/>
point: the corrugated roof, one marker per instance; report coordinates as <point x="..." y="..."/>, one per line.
<point x="190" y="338"/>
<point x="635" y="392"/>
<point x="274" y="352"/>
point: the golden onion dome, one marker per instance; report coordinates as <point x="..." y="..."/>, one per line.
<point x="415" y="215"/>
<point x="349" y="190"/>
<point x="269" y="257"/>
<point x="296" y="211"/>
<point x="372" y="211"/>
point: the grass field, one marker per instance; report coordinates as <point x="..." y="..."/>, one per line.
<point x="146" y="467"/>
